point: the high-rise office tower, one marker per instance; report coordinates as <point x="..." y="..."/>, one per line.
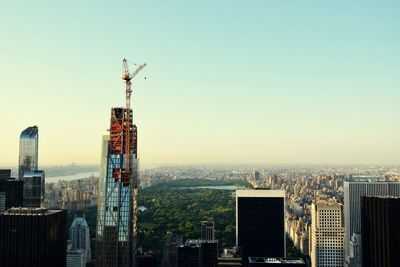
<point x="274" y="181"/>
<point x="146" y="260"/>
<point x="380" y="231"/>
<point x="12" y="188"/>
<point x="28" y="168"/>
<point x="207" y="229"/>
<point x="28" y="150"/>
<point x="34" y="189"/>
<point x="172" y="241"/>
<point x="197" y="253"/>
<point x="354" y="189"/>
<point x="327" y="234"/>
<point x="209" y="253"/>
<point x="116" y="224"/>
<point x="80" y="236"/>
<point x="260" y="226"/>
<point x="34" y="237"/>
<point x="189" y="254"/>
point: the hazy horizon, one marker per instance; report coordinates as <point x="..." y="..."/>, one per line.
<point x="227" y="82"/>
<point x="220" y="165"/>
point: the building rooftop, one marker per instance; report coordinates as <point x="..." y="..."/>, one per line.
<point x="276" y="260"/>
<point x="5" y="173"/>
<point x="234" y="252"/>
<point x="191" y="243"/>
<point x="208" y="221"/>
<point x="367" y="179"/>
<point x="386" y="197"/>
<point x="30" y="132"/>
<point x="76" y="252"/>
<point x="79" y="221"/>
<point x="196" y="242"/>
<point x="260" y="193"/>
<point x="331" y="202"/>
<point x="30" y="211"/>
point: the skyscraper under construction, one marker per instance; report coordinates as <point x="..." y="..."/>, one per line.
<point x="118" y="187"/>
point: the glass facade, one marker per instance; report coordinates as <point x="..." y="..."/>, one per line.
<point x="102" y="187"/>
<point x="260" y="223"/>
<point x="380" y="231"/>
<point x="28" y="150"/>
<point x="117" y="202"/>
<point x="33" y="237"/>
<point x="34" y="189"/>
<point x="353" y="191"/>
<point x="14" y="192"/>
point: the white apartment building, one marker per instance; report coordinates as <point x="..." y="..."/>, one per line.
<point x="327" y="234"/>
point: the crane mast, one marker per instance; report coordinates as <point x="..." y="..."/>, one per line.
<point x="127" y="77"/>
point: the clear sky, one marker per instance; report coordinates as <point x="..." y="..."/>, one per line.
<point x="227" y="81"/>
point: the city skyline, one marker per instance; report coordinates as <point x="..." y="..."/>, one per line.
<point x="227" y="82"/>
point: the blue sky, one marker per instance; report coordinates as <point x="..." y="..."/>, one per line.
<point x="227" y="81"/>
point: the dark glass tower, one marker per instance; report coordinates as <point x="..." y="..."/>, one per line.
<point x="354" y="189"/>
<point x="189" y="254"/>
<point x="172" y="241"/>
<point x="5" y="174"/>
<point x="28" y="150"/>
<point x="34" y="189"/>
<point x="117" y="202"/>
<point x="12" y="188"/>
<point x="197" y="253"/>
<point x="260" y="227"/>
<point x="380" y="231"/>
<point x="33" y="237"/>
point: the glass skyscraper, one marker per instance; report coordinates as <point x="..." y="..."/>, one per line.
<point x="260" y="225"/>
<point x="117" y="201"/>
<point x="354" y="189"/>
<point x="34" y="189"/>
<point x="34" y="237"/>
<point x="380" y="228"/>
<point x="28" y="150"/>
<point x="12" y="188"/>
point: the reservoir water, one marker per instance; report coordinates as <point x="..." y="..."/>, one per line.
<point x="220" y="187"/>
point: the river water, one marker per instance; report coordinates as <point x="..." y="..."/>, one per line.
<point x="77" y="176"/>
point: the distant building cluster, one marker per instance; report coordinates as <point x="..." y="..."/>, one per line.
<point x="72" y="195"/>
<point x="302" y="216"/>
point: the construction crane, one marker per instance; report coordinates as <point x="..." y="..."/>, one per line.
<point x="127" y="77"/>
